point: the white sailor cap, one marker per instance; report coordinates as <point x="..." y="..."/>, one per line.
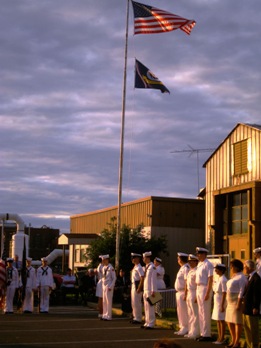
<point x="9" y="259"/>
<point x="44" y="259"/>
<point x="257" y="250"/>
<point x="182" y="254"/>
<point x="158" y="259"/>
<point x="107" y="256"/>
<point x="147" y="254"/>
<point x="220" y="266"/>
<point x="192" y="257"/>
<point x="28" y="259"/>
<point x="200" y="250"/>
<point x="135" y="255"/>
<point x="100" y="256"/>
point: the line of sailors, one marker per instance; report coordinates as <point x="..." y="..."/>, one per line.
<point x="195" y="286"/>
<point x="145" y="282"/>
<point x="40" y="280"/>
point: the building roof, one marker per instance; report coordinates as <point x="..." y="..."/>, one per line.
<point x="149" y="198"/>
<point x="76" y="238"/>
<point x="239" y="124"/>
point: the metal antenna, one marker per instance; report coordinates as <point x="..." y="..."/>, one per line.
<point x="191" y="151"/>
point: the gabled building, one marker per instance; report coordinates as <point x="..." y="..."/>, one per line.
<point x="233" y="193"/>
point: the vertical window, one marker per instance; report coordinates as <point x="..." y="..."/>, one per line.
<point x="239" y="213"/>
<point x="240" y="157"/>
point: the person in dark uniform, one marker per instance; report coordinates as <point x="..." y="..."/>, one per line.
<point x="251" y="305"/>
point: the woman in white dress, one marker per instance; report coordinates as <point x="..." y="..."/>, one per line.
<point x="219" y="309"/>
<point x="235" y="290"/>
<point x="160" y="282"/>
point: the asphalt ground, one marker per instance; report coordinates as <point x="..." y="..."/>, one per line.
<point x="77" y="326"/>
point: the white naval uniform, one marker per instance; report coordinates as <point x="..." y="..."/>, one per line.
<point x="204" y="271"/>
<point x="182" y="310"/>
<point x="98" y="292"/>
<point x="28" y="304"/>
<point x="44" y="281"/>
<point x="13" y="281"/>
<point x="219" y="287"/>
<point x="108" y="282"/>
<point x="193" y="324"/>
<point x="136" y="274"/>
<point x="149" y="286"/>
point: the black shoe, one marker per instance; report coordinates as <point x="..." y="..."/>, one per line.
<point x="143" y="327"/>
<point x="149" y="328"/>
<point x="204" y="339"/>
<point x="135" y="322"/>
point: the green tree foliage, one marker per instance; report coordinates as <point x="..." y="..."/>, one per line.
<point x="131" y="240"/>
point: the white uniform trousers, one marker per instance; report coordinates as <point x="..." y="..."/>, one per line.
<point x="107" y="303"/>
<point x="44" y="298"/>
<point x="136" y="304"/>
<point x="193" y="323"/>
<point x="28" y="304"/>
<point x="204" y="311"/>
<point x="9" y="299"/>
<point x="149" y="310"/>
<point x="182" y="311"/>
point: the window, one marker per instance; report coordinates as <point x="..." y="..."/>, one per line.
<point x="240" y="157"/>
<point x="239" y="213"/>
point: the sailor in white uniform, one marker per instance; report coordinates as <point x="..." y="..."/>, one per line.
<point x="137" y="279"/>
<point x="191" y="298"/>
<point x="98" y="292"/>
<point x="44" y="283"/>
<point x="108" y="283"/>
<point x="180" y="283"/>
<point x="204" y="280"/>
<point x="149" y="288"/>
<point x="12" y="283"/>
<point x="30" y="287"/>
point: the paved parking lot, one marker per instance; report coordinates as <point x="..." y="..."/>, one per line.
<point x="79" y="327"/>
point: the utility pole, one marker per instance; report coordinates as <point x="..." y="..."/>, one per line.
<point x="191" y="151"/>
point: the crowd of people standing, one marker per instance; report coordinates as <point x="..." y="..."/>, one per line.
<point x="236" y="301"/>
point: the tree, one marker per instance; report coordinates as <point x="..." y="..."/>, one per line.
<point x="131" y="240"/>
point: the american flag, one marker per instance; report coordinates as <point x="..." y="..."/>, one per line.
<point x="151" y="20"/>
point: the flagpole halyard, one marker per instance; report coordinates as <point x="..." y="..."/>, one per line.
<point x="117" y="252"/>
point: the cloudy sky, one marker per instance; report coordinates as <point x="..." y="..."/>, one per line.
<point x="61" y="65"/>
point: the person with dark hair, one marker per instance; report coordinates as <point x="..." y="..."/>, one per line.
<point x="251" y="305"/>
<point x="257" y="255"/>
<point x="30" y="287"/>
<point x="180" y="283"/>
<point x="219" y="309"/>
<point x="235" y="291"/>
<point x="204" y="281"/>
<point x="12" y="283"/>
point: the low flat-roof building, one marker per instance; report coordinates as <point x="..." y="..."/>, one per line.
<point x="181" y="220"/>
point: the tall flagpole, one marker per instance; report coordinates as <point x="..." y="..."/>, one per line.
<point x="117" y="253"/>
